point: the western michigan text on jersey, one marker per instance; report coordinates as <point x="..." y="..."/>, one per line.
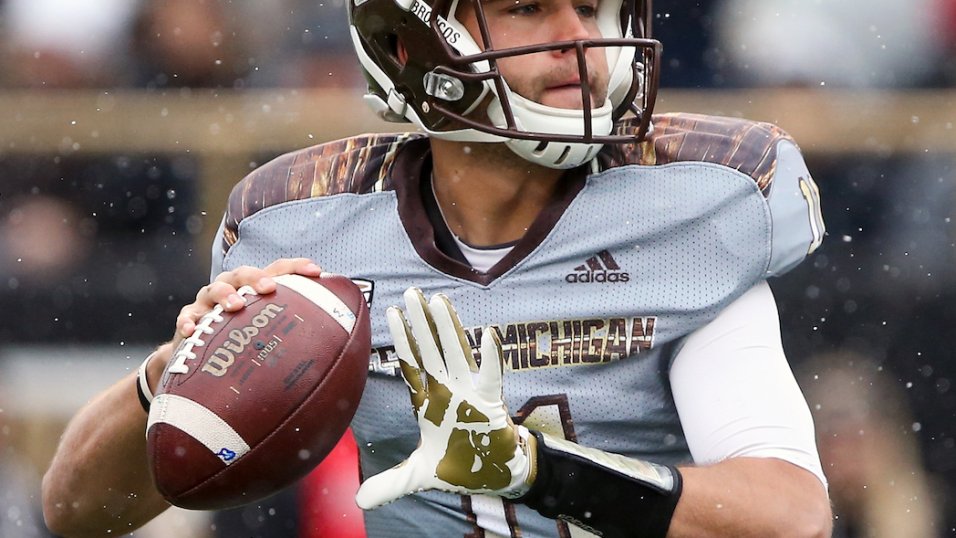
<point x="548" y="344"/>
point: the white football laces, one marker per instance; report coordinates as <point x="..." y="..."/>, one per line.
<point x="185" y="351"/>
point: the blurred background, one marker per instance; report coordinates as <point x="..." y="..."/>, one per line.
<point x="126" y="122"/>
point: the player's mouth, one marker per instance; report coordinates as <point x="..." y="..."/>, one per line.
<point x="565" y="94"/>
<point x="567" y="83"/>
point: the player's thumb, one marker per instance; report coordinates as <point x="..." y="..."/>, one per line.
<point x="387" y="486"/>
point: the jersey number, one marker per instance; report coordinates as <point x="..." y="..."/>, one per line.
<point x="547" y="414"/>
<point x="812" y="195"/>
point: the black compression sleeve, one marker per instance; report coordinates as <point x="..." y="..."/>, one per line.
<point x="604" y="493"/>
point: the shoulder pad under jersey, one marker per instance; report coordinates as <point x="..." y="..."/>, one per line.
<point x="354" y="165"/>
<point x="762" y="151"/>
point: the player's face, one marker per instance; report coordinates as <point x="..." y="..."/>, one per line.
<point x="550" y="78"/>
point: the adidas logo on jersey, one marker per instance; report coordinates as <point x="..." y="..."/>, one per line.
<point x="598" y="268"/>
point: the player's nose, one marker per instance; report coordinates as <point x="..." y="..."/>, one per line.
<point x="568" y="24"/>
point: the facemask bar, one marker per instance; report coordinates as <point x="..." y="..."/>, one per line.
<point x="647" y="53"/>
<point x="650" y="50"/>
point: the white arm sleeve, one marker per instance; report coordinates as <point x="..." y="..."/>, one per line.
<point x="735" y="392"/>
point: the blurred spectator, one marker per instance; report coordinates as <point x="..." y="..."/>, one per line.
<point x="63" y="43"/>
<point x="41" y="240"/>
<point x="220" y="43"/>
<point x="92" y="248"/>
<point x="95" y="249"/>
<point x="189" y="43"/>
<point x="837" y="43"/>
<point x="176" y="43"/>
<point x="308" y="45"/>
<point x="868" y="446"/>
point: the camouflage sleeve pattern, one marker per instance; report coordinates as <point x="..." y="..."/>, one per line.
<point x="353" y="165"/>
<point x="746" y="146"/>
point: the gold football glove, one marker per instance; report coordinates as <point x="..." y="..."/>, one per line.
<point x="469" y="445"/>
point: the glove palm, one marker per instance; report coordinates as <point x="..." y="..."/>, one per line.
<point x="468" y="442"/>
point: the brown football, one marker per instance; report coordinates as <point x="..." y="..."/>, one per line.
<point x="256" y="398"/>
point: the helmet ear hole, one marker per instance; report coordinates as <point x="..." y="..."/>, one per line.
<point x="395" y="51"/>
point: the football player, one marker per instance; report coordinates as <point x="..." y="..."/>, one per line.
<point x="612" y="365"/>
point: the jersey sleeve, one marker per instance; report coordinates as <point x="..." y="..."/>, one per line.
<point x="356" y="165"/>
<point x="735" y="393"/>
<point x="217" y="254"/>
<point x="794" y="204"/>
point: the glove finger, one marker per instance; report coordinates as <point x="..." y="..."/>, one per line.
<point x="458" y="357"/>
<point x="388" y="485"/>
<point x="425" y="333"/>
<point x="408" y="355"/>
<point x="405" y="345"/>
<point x="489" y="383"/>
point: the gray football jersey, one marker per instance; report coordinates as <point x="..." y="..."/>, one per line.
<point x="591" y="305"/>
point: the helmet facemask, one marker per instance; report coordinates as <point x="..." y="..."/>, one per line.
<point x="452" y="87"/>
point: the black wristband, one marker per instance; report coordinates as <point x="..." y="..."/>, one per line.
<point x="602" y="492"/>
<point x="142" y="384"/>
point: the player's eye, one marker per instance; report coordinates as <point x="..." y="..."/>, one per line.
<point x="524" y="8"/>
<point x="587" y="10"/>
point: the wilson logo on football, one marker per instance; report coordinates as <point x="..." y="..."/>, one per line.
<point x="599" y="268"/>
<point x="223" y="357"/>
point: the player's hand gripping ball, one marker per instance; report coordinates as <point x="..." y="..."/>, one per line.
<point x="255" y="399"/>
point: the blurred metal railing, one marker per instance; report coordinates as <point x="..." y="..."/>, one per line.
<point x="210" y="122"/>
<point x="229" y="130"/>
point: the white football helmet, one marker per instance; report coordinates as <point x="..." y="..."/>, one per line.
<point x="447" y="74"/>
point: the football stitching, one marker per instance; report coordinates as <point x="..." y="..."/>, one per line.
<point x="185" y="351"/>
